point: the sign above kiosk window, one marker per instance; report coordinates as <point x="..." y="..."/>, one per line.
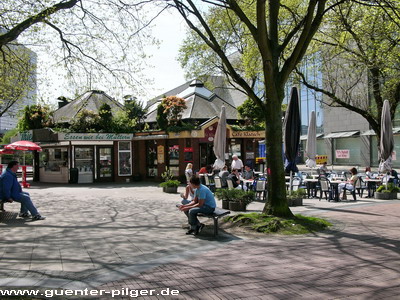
<point x="247" y="134"/>
<point x="95" y="136"/>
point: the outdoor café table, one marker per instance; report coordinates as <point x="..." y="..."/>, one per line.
<point x="247" y="182"/>
<point x="258" y="174"/>
<point x="371" y="185"/>
<point x="335" y="187"/>
<point x="311" y="184"/>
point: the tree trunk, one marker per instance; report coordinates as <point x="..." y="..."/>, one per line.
<point x="277" y="203"/>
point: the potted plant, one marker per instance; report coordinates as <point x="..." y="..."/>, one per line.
<point x="235" y="199"/>
<point x="387" y="192"/>
<point x="169" y="185"/>
<point x="223" y="195"/>
<point x="296" y="197"/>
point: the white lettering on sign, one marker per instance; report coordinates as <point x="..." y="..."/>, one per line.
<point x="254" y="134"/>
<point x="345" y="153"/>
<point x="95" y="136"/>
<point x="26" y="136"/>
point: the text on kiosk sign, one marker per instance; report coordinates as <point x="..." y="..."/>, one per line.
<point x="345" y="153"/>
<point x="95" y="136"/>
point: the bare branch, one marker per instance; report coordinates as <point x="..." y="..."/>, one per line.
<point x="14" y="33"/>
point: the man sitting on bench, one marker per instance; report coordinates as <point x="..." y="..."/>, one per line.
<point x="10" y="190"/>
<point x="203" y="202"/>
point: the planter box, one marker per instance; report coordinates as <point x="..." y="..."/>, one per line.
<point x="236" y="206"/>
<point x="225" y="204"/>
<point x="170" y="189"/>
<point x="385" y="196"/>
<point x="295" y="202"/>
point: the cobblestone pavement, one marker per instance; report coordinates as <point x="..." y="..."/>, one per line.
<point x="129" y="236"/>
<point x="358" y="260"/>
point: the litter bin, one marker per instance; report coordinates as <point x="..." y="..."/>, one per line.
<point x="73" y="175"/>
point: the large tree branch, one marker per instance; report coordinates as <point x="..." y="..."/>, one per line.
<point x="234" y="6"/>
<point x="311" y="25"/>
<point x="212" y="42"/>
<point x="338" y="102"/>
<point x="14" y="33"/>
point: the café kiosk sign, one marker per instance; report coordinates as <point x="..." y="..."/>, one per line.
<point x="247" y="134"/>
<point x="95" y="136"/>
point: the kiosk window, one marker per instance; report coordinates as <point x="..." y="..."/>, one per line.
<point x="124" y="159"/>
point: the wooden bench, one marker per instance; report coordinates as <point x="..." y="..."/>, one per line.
<point x="218" y="213"/>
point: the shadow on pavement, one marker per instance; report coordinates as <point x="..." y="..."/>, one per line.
<point x="345" y="210"/>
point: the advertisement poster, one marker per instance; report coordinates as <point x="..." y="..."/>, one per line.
<point x="160" y="154"/>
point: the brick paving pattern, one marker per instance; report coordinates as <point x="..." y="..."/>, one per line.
<point x="359" y="262"/>
<point x="119" y="237"/>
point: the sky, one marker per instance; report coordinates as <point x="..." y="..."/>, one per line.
<point x="166" y="73"/>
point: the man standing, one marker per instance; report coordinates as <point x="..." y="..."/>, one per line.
<point x="236" y="163"/>
<point x="203" y="202"/>
<point x="10" y="190"/>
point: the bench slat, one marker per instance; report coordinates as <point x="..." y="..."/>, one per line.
<point x="218" y="212"/>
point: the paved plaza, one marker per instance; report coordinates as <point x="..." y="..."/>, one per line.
<point x="130" y="236"/>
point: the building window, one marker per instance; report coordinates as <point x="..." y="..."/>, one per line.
<point x="151" y="158"/>
<point x="124" y="159"/>
<point x="395" y="154"/>
<point x="173" y="157"/>
<point x="350" y="147"/>
<point x="52" y="159"/>
<point x="84" y="159"/>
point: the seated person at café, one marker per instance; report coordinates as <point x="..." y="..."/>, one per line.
<point x="394" y="177"/>
<point x="348" y="184"/>
<point x="248" y="173"/>
<point x="206" y="170"/>
<point x="371" y="185"/>
<point x="323" y="169"/>
<point x="235" y="178"/>
<point x="223" y="174"/>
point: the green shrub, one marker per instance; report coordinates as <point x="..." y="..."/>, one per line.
<point x="390" y="188"/>
<point x="299" y="193"/>
<point x="170" y="183"/>
<point x="235" y="195"/>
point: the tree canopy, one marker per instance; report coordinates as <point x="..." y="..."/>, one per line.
<point x="358" y="52"/>
<point x="92" y="40"/>
<point x="273" y="38"/>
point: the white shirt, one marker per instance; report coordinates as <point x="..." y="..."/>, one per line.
<point x="237" y="164"/>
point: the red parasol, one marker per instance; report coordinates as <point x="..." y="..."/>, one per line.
<point x="24" y="146"/>
<point x="6" y="151"/>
